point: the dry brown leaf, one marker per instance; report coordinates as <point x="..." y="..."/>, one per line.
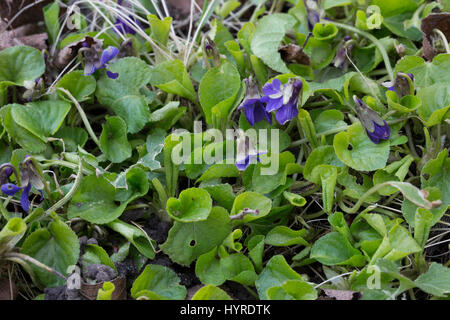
<point x="66" y="54"/>
<point x="433" y="21"/>
<point x="293" y="53"/>
<point x="23" y="35"/>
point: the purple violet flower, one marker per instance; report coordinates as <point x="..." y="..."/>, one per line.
<point x="29" y="177"/>
<point x="246" y="153"/>
<point x="93" y="62"/>
<point x="6" y="170"/>
<point x="313" y="13"/>
<point x="403" y="84"/>
<point x="123" y="25"/>
<point x="340" y="59"/>
<point x="283" y="98"/>
<point x="253" y="107"/>
<point x="10" y="189"/>
<point x="376" y="128"/>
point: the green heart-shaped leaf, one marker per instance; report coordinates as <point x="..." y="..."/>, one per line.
<point x="95" y="199"/>
<point x="80" y="86"/>
<point x="284" y="236"/>
<point x="334" y="249"/>
<point x="193" y="204"/>
<point x="122" y="95"/>
<point x="275" y="273"/>
<point x="254" y="201"/>
<point x="42" y="118"/>
<point x="56" y="246"/>
<point x="354" y="148"/>
<point x="171" y="76"/>
<point x="21" y="63"/>
<point x="426" y="73"/>
<point x="211" y="292"/>
<point x="113" y="140"/>
<point x="158" y="282"/>
<point x="187" y="241"/>
<point x="219" y="95"/>
<point x="267" y="38"/>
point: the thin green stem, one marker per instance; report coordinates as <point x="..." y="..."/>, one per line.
<point x="14" y="94"/>
<point x="410" y="141"/>
<point x="411" y="294"/>
<point x="444" y="39"/>
<point x="37" y="263"/>
<point x="279" y="6"/>
<point x="438" y="138"/>
<point x="378" y="72"/>
<point x="5" y="213"/>
<point x="82" y="115"/>
<point x="313" y="215"/>
<point x="251" y="291"/>
<point x="41" y="175"/>
<point x="27" y="268"/>
<point x="319" y="103"/>
<point x="325" y="133"/>
<point x="69" y="194"/>
<point x="66" y="164"/>
<point x="375" y="41"/>
<point x="335" y="130"/>
<point x="299" y="161"/>
<point x="137" y="206"/>
<point x="362" y="199"/>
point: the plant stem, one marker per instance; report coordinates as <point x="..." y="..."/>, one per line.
<point x="27" y="258"/>
<point x="444" y="39"/>
<point x="82" y="115"/>
<point x="26" y="267"/>
<point x="375" y="41"/>
<point x="319" y="103"/>
<point x="362" y="199"/>
<point x="313" y="215"/>
<point x="325" y="133"/>
<point x="438" y="138"/>
<point x="5" y="213"/>
<point x="251" y="291"/>
<point x="66" y="164"/>
<point x="332" y="131"/>
<point x="410" y="141"/>
<point x="69" y="194"/>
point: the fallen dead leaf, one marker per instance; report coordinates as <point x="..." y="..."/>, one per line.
<point x="23" y="35"/>
<point x="433" y="21"/>
<point x="294" y="53"/>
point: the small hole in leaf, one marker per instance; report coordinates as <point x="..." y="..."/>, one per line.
<point x="349" y="147"/>
<point x="426" y="176"/>
<point x="192" y="243"/>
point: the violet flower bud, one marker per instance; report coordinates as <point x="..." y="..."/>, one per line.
<point x="376" y="128"/>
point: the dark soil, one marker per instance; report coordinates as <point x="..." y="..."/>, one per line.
<point x="157" y="229"/>
<point x="9" y="8"/>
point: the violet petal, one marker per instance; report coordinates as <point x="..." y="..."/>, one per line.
<point x="10" y="189"/>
